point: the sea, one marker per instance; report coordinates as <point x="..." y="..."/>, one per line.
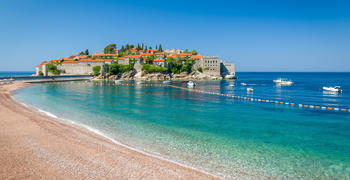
<point x="225" y="136"/>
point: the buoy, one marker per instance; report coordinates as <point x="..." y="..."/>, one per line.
<point x="317" y="107"/>
<point x="311" y="106"/>
<point x="336" y="109"/>
<point x="343" y="109"/>
<point x="306" y="105"/>
<point x="329" y="108"/>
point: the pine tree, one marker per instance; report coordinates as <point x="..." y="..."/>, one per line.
<point x="150" y="47"/>
<point x="142" y="46"/>
<point x="156" y="46"/>
<point x="160" y="48"/>
<point x="138" y="46"/>
<point x="86" y="52"/>
<point x="146" y="48"/>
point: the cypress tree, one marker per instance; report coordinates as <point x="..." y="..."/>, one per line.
<point x="156" y="46"/>
<point x="142" y="46"/>
<point x="160" y="48"/>
<point x="86" y="52"/>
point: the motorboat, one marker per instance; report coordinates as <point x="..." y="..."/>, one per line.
<point x="250" y="89"/>
<point x="333" y="89"/>
<point x="191" y="83"/>
<point x="118" y="81"/>
<point x="281" y="81"/>
<point x="243" y="84"/>
<point x="231" y="85"/>
<point x="139" y="82"/>
<point x="166" y="82"/>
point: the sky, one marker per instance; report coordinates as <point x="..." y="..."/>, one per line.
<point x="274" y="36"/>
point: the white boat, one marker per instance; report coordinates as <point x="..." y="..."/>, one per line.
<point x="333" y="89"/>
<point x="166" y="82"/>
<point x="139" y="82"/>
<point x="250" y="89"/>
<point x="191" y="83"/>
<point x="231" y="85"/>
<point x="281" y="81"/>
<point x="118" y="81"/>
<point x="243" y="84"/>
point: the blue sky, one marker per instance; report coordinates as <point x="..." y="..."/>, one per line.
<point x="257" y="35"/>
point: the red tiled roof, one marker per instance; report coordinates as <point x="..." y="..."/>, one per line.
<point x="133" y="56"/>
<point x="73" y="55"/>
<point x="121" y="58"/>
<point x="54" y="60"/>
<point x="103" y="54"/>
<point x="133" y="50"/>
<point x="83" y="56"/>
<point x="153" y="49"/>
<point x="158" y="60"/>
<point x="197" y="56"/>
<point x="116" y="49"/>
<point x="68" y="59"/>
<point x="160" y="53"/>
<point x="185" y="54"/>
<point x="70" y="62"/>
<point x="146" y="54"/>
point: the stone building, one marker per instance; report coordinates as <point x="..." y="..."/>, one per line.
<point x="211" y="65"/>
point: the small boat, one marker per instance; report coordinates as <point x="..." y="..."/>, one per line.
<point x="250" y="89"/>
<point x="231" y="85"/>
<point x="333" y="89"/>
<point x="166" y="82"/>
<point x="243" y="84"/>
<point x="281" y="81"/>
<point x="139" y="82"/>
<point x="118" y="81"/>
<point x="191" y="83"/>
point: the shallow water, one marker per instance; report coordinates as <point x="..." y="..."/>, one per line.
<point x="218" y="134"/>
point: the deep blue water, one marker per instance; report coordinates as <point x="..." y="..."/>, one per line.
<point x="16" y="73"/>
<point x="218" y="134"/>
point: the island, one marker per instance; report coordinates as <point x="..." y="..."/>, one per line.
<point x="141" y="63"/>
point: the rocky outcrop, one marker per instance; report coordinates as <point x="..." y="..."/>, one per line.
<point x="140" y="75"/>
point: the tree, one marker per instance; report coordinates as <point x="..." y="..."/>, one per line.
<point x="146" y="47"/>
<point x="200" y="69"/>
<point x="41" y="73"/>
<point x="156" y="46"/>
<point x="160" y="48"/>
<point x="186" y="51"/>
<point x="96" y="70"/>
<point x="150" y="47"/>
<point x="138" y="46"/>
<point x="81" y="53"/>
<point x="86" y="52"/>
<point x="194" y="52"/>
<point x="52" y="68"/>
<point x="142" y="46"/>
<point x="110" y="49"/>
<point x="149" y="59"/>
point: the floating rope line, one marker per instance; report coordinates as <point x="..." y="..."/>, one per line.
<point x="305" y="106"/>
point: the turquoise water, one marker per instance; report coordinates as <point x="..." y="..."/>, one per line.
<point x="217" y="134"/>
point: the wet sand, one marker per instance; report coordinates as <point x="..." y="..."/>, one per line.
<point x="36" y="146"/>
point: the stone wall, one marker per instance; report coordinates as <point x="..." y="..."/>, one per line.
<point x="228" y="69"/>
<point x="211" y="65"/>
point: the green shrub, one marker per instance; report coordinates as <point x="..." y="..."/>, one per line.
<point x="115" y="68"/>
<point x="150" y="68"/>
<point x="41" y="73"/>
<point x="52" y="68"/>
<point x="96" y="70"/>
<point x="200" y="69"/>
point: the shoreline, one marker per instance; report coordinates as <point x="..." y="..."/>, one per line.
<point x="73" y="143"/>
